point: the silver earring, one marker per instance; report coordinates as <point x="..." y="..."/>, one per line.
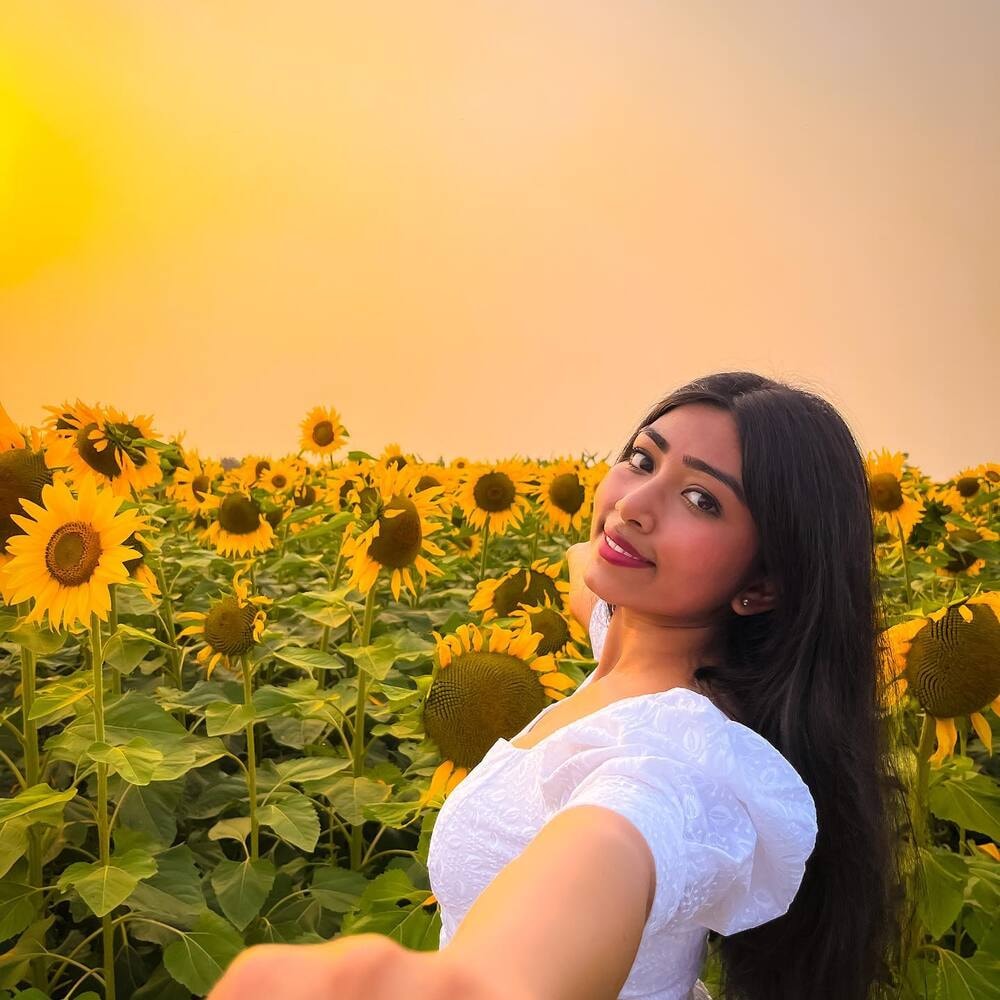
<point x="746" y="602"/>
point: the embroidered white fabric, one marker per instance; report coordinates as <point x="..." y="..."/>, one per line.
<point x="728" y="820"/>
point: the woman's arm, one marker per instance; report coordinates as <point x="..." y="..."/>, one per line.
<point x="552" y="923"/>
<point x="581" y="598"/>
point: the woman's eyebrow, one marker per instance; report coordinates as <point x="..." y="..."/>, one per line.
<point x="696" y="463"/>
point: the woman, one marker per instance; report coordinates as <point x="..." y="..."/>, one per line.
<point x="723" y="770"/>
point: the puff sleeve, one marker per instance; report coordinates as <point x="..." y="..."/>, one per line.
<point x="728" y="820"/>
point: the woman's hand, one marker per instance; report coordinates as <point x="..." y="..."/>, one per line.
<point x="356" y="967"/>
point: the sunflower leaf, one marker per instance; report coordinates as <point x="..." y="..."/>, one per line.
<point x="38" y="804"/>
<point x="40" y="641"/>
<point x="293" y="818"/>
<point x="241" y="888"/>
<point x="971" y="800"/>
<point x="200" y="956"/>
<point x="308" y="659"/>
<point x="103" y="887"/>
<point x="136" y="761"/>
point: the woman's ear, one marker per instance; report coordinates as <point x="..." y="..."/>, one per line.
<point x="757" y="597"/>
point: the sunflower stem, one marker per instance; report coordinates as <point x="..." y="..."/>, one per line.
<point x="103" y="827"/>
<point x="251" y="760"/>
<point x="32" y="776"/>
<point x="168" y="611"/>
<point x="906" y="567"/>
<point x="486" y="538"/>
<point x="534" y="540"/>
<point x="116" y="678"/>
<point x="358" y="742"/>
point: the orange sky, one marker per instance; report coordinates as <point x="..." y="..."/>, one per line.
<point x="491" y="229"/>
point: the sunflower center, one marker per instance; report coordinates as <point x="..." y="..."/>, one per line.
<point x="22" y="474"/>
<point x="131" y="565"/>
<point x="239" y="515"/>
<point x="967" y="486"/>
<point x="426" y="483"/>
<point x="199" y="487"/>
<point x="229" y="628"/>
<point x="279" y="481"/>
<point x="566" y="493"/>
<point x="399" y="537"/>
<point x="304" y="495"/>
<point x="397" y="460"/>
<point x="322" y="433"/>
<point x="262" y="466"/>
<point x="479" y="698"/>
<point x="555" y="631"/>
<point x="494" y="492"/>
<point x="73" y="552"/>
<point x="104" y="461"/>
<point x="524" y="587"/>
<point x="952" y="666"/>
<point x="960" y="559"/>
<point x="885" y="492"/>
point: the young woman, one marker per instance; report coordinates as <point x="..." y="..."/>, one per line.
<point x="724" y="770"/>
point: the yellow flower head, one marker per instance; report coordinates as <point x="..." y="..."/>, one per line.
<point x="322" y="431"/>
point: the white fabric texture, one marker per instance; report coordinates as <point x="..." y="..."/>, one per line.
<point x="729" y="822"/>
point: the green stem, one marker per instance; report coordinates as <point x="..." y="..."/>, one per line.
<point x="358" y="743"/>
<point x="534" y="540"/>
<point x="486" y="538"/>
<point x="906" y="567"/>
<point x="116" y="678"/>
<point x="168" y="611"/>
<point x="251" y="760"/>
<point x="103" y="827"/>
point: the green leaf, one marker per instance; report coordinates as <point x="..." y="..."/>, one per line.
<point x="103" y="887"/>
<point x="19" y="905"/>
<point x="969" y="799"/>
<point x="304" y="769"/>
<point x="61" y="695"/>
<point x="349" y="795"/>
<point x="138" y="715"/>
<point x="945" y="875"/>
<point x="39" y="803"/>
<point x="200" y="956"/>
<point x="13" y="963"/>
<point x="241" y="888"/>
<point x="13" y="842"/>
<point x="138" y="635"/>
<point x="232" y="828"/>
<point x="976" y="978"/>
<point x="293" y="818"/>
<point x="378" y="659"/>
<point x="309" y="659"/>
<point x="174" y="894"/>
<point x="337" y="889"/>
<point x="41" y="641"/>
<point x="136" y="761"/>
<point x="153" y="808"/>
<point x="223" y="718"/>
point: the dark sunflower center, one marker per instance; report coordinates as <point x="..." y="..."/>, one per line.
<point x="555" y="631"/>
<point x="261" y="467"/>
<point x="967" y="486"/>
<point x="566" y="493"/>
<point x="397" y="460"/>
<point x="399" y="537"/>
<point x="199" y="487"/>
<point x="886" y="495"/>
<point x="239" y="514"/>
<point x="273" y="517"/>
<point x="494" y="492"/>
<point x="304" y="495"/>
<point x="105" y="460"/>
<point x="23" y="473"/>
<point x="131" y="565"/>
<point x="73" y="552"/>
<point x="523" y="587"/>
<point x="322" y="433"/>
<point x="229" y="628"/>
<point x="960" y="558"/>
<point x="426" y="483"/>
<point x="477" y="699"/>
<point x="279" y="481"/>
<point x="952" y="666"/>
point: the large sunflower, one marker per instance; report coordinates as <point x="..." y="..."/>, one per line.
<point x="322" y="431"/>
<point x="230" y="628"/>
<point x="949" y="661"/>
<point x="488" y="684"/>
<point x="23" y="474"/>
<point x="562" y="634"/>
<point x="71" y="551"/>
<point x="495" y="494"/>
<point x="519" y="587"/>
<point x="391" y="529"/>
<point x="888" y="497"/>
<point x="101" y="441"/>
<point x="240" y="527"/>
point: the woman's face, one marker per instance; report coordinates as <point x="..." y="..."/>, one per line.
<point x="695" y="531"/>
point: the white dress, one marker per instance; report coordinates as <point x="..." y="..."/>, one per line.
<point x="728" y="820"/>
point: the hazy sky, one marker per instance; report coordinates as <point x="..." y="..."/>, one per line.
<point x="488" y="229"/>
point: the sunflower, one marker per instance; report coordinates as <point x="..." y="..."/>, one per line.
<point x="230" y="628"/>
<point x="137" y="568"/>
<point x="394" y="522"/>
<point x="10" y="435"/>
<point x="489" y="683"/>
<point x="71" y="551"/>
<point x="101" y="441"/>
<point x="961" y="558"/>
<point x="560" y="631"/>
<point x="392" y="454"/>
<point x="519" y="587"/>
<point x="240" y="527"/>
<point x="193" y="481"/>
<point x="496" y="495"/>
<point x="322" y="431"/>
<point x="565" y="493"/>
<point x="279" y="477"/>
<point x="949" y="660"/>
<point x="23" y="474"/>
<point x="885" y="490"/>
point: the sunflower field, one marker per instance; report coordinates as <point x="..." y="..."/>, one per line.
<point x="234" y="694"/>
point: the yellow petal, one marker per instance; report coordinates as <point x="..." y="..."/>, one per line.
<point x="947" y="737"/>
<point x="983" y="731"/>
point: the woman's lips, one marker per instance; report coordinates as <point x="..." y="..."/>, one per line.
<point x="618" y="558"/>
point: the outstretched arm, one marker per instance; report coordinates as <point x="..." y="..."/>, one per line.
<point x="552" y="923"/>
<point x="581" y="597"/>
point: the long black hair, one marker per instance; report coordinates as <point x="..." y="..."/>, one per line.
<point x="806" y="676"/>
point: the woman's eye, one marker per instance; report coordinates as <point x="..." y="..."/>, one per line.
<point x="713" y="506"/>
<point x="712" y="509"/>
<point x="633" y="453"/>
